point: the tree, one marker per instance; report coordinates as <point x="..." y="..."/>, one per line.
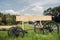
<point x="1" y="15"/>
<point x="55" y="12"/>
<point x="52" y="11"/>
<point x="8" y="19"/>
<point x="13" y="19"/>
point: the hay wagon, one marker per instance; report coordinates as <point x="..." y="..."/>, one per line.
<point x="43" y="23"/>
<point x="47" y="26"/>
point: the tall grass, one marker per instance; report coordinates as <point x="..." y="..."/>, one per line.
<point x="31" y="35"/>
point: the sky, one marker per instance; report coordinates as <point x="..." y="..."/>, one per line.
<point x="27" y="7"/>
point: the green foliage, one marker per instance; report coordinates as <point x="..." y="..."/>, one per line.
<point x="7" y="19"/>
<point x="52" y="11"/>
<point x="1" y="15"/>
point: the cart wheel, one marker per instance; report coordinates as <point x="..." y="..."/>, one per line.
<point x="50" y="27"/>
<point x="36" y="25"/>
<point x="37" y="28"/>
<point x="16" y="31"/>
<point x="10" y="31"/>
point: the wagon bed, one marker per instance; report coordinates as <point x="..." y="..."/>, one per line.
<point x="6" y="27"/>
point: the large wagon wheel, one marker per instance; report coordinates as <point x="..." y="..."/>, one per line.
<point x="16" y="31"/>
<point x="10" y="31"/>
<point x="37" y="28"/>
<point x="50" y="27"/>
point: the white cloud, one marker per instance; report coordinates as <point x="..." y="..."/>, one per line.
<point x="11" y="12"/>
<point x="32" y="10"/>
<point x="38" y="10"/>
<point x="43" y="2"/>
<point x="36" y="7"/>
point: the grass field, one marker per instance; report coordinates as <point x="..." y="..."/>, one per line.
<point x="30" y="36"/>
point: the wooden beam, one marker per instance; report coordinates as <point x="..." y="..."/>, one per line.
<point x="22" y="25"/>
<point x="33" y="18"/>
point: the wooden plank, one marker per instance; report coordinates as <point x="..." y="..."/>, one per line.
<point x="33" y="18"/>
<point x="22" y="25"/>
<point x="6" y="27"/>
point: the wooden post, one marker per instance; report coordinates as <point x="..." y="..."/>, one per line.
<point x="22" y="25"/>
<point x="41" y="24"/>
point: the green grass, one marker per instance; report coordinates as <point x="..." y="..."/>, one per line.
<point x="30" y="36"/>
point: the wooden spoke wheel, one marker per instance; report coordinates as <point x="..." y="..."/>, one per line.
<point x="37" y="28"/>
<point x="16" y="31"/>
<point x="50" y="27"/>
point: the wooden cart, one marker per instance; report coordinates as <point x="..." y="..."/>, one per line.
<point x="48" y="26"/>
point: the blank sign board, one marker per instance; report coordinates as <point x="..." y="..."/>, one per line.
<point x="33" y="18"/>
